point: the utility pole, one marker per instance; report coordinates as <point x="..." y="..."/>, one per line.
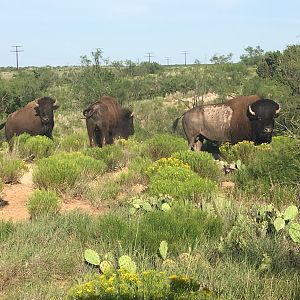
<point x="167" y="59"/>
<point x="149" y="55"/>
<point x="185" y="53"/>
<point x="17" y="54"/>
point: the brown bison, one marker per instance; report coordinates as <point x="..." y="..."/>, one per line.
<point x="248" y="118"/>
<point x="106" y="119"/>
<point x="35" y="118"/>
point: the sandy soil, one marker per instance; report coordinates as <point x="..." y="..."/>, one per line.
<point x="14" y="197"/>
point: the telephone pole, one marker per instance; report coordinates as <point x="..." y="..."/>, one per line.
<point x="17" y="51"/>
<point x="168" y="60"/>
<point x="185" y="53"/>
<point x="149" y="55"/>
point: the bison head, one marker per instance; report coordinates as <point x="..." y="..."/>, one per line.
<point x="126" y="124"/>
<point x="44" y="109"/>
<point x="261" y="115"/>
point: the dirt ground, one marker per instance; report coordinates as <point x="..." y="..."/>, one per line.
<point x="14" y="197"/>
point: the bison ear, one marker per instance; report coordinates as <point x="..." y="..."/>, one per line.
<point x="88" y="112"/>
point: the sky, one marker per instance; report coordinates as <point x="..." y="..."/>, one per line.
<point x="59" y="32"/>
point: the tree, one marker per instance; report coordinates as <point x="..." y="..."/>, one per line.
<point x="222" y="59"/>
<point x="252" y="56"/>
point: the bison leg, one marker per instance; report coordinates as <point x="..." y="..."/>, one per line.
<point x="91" y="135"/>
<point x="98" y="137"/>
<point x="195" y="143"/>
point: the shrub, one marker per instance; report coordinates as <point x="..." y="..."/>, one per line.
<point x="43" y="203"/>
<point x="201" y="163"/>
<point x="6" y="228"/>
<point x="36" y="147"/>
<point x="11" y="169"/>
<point x="112" y="155"/>
<point x="274" y="169"/>
<point x="163" y="145"/>
<point x="181" y="183"/>
<point x="150" y="284"/>
<point x="74" y="142"/>
<point x="244" y="151"/>
<point x="65" y="171"/>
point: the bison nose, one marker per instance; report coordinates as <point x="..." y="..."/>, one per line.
<point x="268" y="130"/>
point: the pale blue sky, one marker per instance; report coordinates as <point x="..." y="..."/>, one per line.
<point x="57" y="33"/>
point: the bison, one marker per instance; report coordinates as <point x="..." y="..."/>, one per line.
<point x="35" y="118"/>
<point x="106" y="119"/>
<point x="249" y="118"/>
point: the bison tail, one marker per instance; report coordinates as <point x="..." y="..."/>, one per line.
<point x="2" y="125"/>
<point x="175" y="123"/>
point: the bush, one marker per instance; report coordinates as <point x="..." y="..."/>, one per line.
<point x="11" y="169"/>
<point x="181" y="183"/>
<point x="150" y="284"/>
<point x="6" y="228"/>
<point x="74" y="142"/>
<point x="163" y="145"/>
<point x="245" y="151"/>
<point x="112" y="155"/>
<point x="43" y="203"/>
<point x="201" y="163"/>
<point x="272" y="169"/>
<point x="36" y="147"/>
<point x="65" y="171"/>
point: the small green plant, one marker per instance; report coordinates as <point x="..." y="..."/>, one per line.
<point x="163" y="249"/>
<point x="11" y="169"/>
<point x="36" y="147"/>
<point x="73" y="142"/>
<point x="163" y="145"/>
<point x="146" y="203"/>
<point x="1" y="185"/>
<point x="112" y="155"/>
<point x="126" y="263"/>
<point x="43" y="203"/>
<point x="181" y="183"/>
<point x="201" y="163"/>
<point x="63" y="172"/>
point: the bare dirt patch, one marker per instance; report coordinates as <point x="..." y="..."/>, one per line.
<point x="14" y="197"/>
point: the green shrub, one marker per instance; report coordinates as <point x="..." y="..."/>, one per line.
<point x="112" y="155"/>
<point x="163" y="145"/>
<point x="74" y="142"/>
<point x="150" y="284"/>
<point x="244" y="151"/>
<point x="201" y="163"/>
<point x="6" y="228"/>
<point x="181" y="183"/>
<point x="272" y="170"/>
<point x="36" y="147"/>
<point x="65" y="171"/>
<point x="11" y="169"/>
<point x="43" y="203"/>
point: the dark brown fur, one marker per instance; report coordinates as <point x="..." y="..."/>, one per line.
<point x="106" y="119"/>
<point x="35" y="118"/>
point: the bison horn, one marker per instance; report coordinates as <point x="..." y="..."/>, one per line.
<point x="251" y="111"/>
<point x="131" y="115"/>
<point x="277" y="110"/>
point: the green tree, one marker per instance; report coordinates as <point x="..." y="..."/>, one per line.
<point x="252" y="56"/>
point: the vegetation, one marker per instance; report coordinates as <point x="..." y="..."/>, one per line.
<point x="162" y="226"/>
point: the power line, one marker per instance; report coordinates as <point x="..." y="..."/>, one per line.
<point x="185" y="53"/>
<point x="17" y="51"/>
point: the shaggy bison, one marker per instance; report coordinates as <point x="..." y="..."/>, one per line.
<point x="35" y="118"/>
<point x="106" y="119"/>
<point x="248" y="118"/>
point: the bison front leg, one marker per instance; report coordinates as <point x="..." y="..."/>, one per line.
<point x="91" y="134"/>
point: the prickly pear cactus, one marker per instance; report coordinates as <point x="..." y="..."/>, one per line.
<point x="106" y="267"/>
<point x="294" y="231"/>
<point x="163" y="249"/>
<point x="126" y="263"/>
<point x="92" y="257"/>
<point x="290" y="213"/>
